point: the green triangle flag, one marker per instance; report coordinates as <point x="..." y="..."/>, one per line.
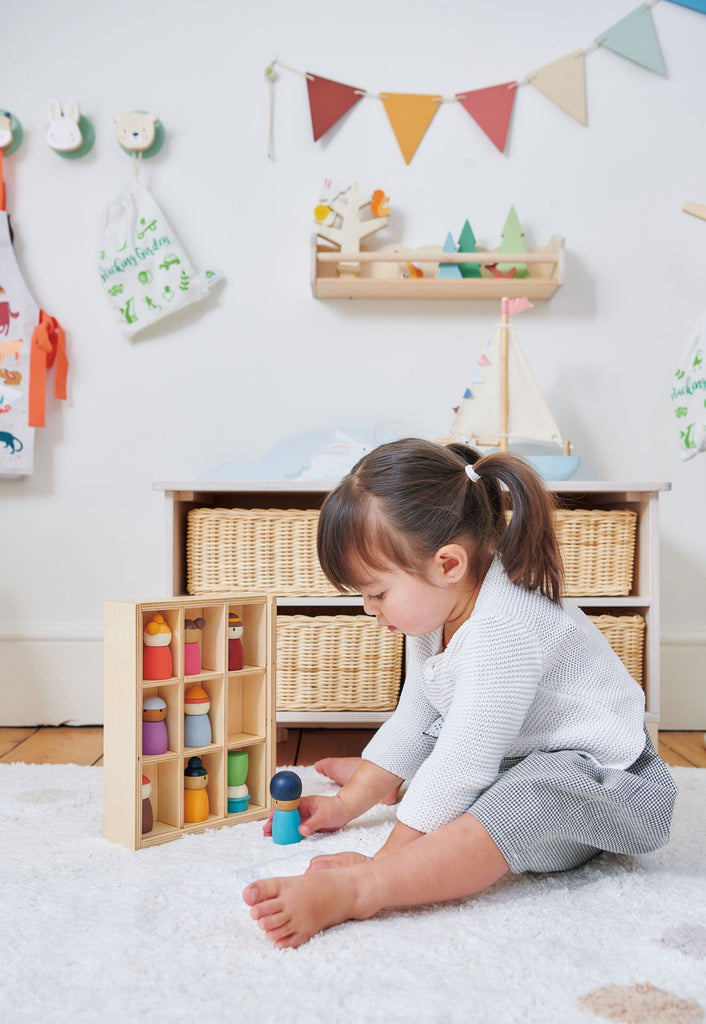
<point x="636" y="39"/>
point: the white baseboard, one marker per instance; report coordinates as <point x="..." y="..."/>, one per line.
<point x="683" y="680"/>
<point x="53" y="675"/>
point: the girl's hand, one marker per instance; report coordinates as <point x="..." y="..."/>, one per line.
<point x="323" y="814"/>
<point x="318" y="814"/>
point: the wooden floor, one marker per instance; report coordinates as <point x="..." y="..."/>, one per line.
<point x="63" y="744"/>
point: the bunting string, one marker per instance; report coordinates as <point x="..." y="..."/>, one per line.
<point x="633" y="38"/>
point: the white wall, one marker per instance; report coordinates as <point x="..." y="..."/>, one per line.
<point x="262" y="359"/>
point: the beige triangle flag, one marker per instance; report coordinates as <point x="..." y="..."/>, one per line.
<point x="564" y="82"/>
<point x="410" y="115"/>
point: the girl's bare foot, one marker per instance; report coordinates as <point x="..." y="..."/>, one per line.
<point x="291" y="910"/>
<point x="340" y="770"/>
<point x="336" y="860"/>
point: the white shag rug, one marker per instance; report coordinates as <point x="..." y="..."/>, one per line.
<point x="94" y="932"/>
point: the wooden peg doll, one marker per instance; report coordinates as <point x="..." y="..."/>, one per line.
<point x="147" y="819"/>
<point x="286" y="791"/>
<point x="197" y="725"/>
<point x="154" y="727"/>
<point x="195" y="795"/>
<point x="192" y="647"/>
<point x="238" y="794"/>
<point x="156" y="653"/>
<point x="236" y="657"/>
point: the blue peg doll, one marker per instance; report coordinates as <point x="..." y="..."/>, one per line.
<point x="286" y="791"/>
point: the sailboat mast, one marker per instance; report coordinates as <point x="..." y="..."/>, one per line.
<point x="504" y="384"/>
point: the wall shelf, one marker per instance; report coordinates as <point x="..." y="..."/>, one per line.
<point x="380" y="272"/>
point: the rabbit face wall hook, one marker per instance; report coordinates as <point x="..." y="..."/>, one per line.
<point x="69" y="133"/>
<point x="10" y="133"/>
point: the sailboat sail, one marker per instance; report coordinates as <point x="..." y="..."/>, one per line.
<point x="478" y="416"/>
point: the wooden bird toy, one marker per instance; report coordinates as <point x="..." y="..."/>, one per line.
<point x="195" y="796"/>
<point x="286" y="791"/>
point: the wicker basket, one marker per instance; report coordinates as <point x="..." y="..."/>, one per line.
<point x="598" y="550"/>
<point x="336" y="663"/>
<point x="626" y="635"/>
<point x="267" y="550"/>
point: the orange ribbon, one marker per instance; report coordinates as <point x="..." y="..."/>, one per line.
<point x="48" y="344"/>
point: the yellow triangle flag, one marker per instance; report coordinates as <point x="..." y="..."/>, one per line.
<point x="564" y="82"/>
<point x="410" y="116"/>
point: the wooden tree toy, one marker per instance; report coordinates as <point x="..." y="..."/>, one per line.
<point x="147" y="816"/>
<point x="513" y="241"/>
<point x="467" y="243"/>
<point x="192" y="646"/>
<point x="197" y="725"/>
<point x="236" y="657"/>
<point x="347" y="228"/>
<point x="286" y="791"/>
<point x="154" y="727"/>
<point x="195" y="795"/>
<point x="238" y="795"/>
<point x="156" y="654"/>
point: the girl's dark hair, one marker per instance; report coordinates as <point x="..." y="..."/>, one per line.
<point x="405" y="500"/>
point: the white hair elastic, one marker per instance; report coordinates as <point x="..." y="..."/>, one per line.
<point x="471" y="473"/>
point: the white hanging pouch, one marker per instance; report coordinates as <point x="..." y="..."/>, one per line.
<point x="689" y="394"/>
<point x="143" y="267"/>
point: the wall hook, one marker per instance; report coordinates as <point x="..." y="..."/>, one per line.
<point x="139" y="133"/>
<point x="10" y="132"/>
<point x="69" y="133"/>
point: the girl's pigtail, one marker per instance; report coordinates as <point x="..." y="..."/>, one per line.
<point x="527" y="543"/>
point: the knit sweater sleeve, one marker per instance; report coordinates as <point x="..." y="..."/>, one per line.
<point x="400" y="745"/>
<point x="492" y="674"/>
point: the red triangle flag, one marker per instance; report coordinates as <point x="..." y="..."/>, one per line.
<point x="491" y="109"/>
<point x="328" y="101"/>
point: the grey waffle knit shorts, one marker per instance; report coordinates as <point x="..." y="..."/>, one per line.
<point x="555" y="810"/>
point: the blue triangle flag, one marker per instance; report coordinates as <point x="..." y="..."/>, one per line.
<point x="467" y="393"/>
<point x="695" y="5"/>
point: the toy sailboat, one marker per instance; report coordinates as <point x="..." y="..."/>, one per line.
<point x="504" y="402"/>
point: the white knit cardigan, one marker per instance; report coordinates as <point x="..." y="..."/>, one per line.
<point x="521" y="674"/>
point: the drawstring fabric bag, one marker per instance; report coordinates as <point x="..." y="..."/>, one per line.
<point x="143" y="267"/>
<point x="689" y="394"/>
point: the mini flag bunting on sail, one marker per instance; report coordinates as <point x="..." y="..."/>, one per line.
<point x="518" y="305"/>
<point x="564" y="83"/>
<point x="491" y="109"/>
<point x="483" y="361"/>
<point x="328" y="102"/>
<point x="467" y="393"/>
<point x="410" y="115"/>
<point x="635" y="38"/>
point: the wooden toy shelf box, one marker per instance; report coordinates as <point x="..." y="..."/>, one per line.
<point x="241" y="715"/>
<point x="544" y="263"/>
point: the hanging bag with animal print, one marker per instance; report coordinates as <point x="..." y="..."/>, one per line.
<point x="144" y="269"/>
<point x="31" y="342"/>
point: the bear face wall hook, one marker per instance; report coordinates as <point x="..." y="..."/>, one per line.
<point x="139" y="132"/>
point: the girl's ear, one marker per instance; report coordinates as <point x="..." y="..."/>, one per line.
<point x="451" y="562"/>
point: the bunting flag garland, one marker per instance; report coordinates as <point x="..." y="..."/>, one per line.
<point x="635" y="38"/>
<point x="492" y="109"/>
<point x="328" y="102"/>
<point x="562" y="81"/>
<point x="410" y="116"/>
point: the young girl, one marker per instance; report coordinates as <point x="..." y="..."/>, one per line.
<point x="519" y="728"/>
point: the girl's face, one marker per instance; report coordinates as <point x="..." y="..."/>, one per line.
<point x="405" y="602"/>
